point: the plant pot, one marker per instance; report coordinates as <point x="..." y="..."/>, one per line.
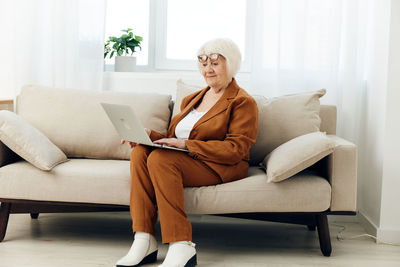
<point x="125" y="63"/>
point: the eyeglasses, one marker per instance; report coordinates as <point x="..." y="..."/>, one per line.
<point x="213" y="57"/>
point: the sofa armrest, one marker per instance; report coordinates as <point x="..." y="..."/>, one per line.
<point x="342" y="175"/>
<point x="6" y="155"/>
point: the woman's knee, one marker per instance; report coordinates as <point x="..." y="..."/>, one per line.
<point x="156" y="157"/>
<point x="161" y="162"/>
<point x="162" y="157"/>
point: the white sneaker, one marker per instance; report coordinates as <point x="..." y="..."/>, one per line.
<point x="143" y="250"/>
<point x="180" y="254"/>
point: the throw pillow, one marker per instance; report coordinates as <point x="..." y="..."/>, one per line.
<point x="296" y="155"/>
<point x="284" y="118"/>
<point x="28" y="142"/>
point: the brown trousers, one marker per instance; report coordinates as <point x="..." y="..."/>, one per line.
<point x="158" y="177"/>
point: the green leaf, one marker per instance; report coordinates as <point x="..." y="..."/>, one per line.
<point x="133" y="43"/>
<point x="123" y="45"/>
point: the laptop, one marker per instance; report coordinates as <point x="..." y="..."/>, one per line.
<point x="129" y="126"/>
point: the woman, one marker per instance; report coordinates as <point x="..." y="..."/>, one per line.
<point x="218" y="125"/>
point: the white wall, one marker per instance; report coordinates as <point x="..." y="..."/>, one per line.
<point x="379" y="168"/>
<point x="160" y="82"/>
<point x="370" y="149"/>
<point x="389" y="227"/>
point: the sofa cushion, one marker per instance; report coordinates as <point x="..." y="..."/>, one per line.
<point x="279" y="119"/>
<point x="327" y="113"/>
<point x="75" y="121"/>
<point x="77" y="180"/>
<point x="182" y="90"/>
<point x="304" y="192"/>
<point x="296" y="155"/>
<point x="108" y="182"/>
<point x="284" y="118"/>
<point x="28" y="142"/>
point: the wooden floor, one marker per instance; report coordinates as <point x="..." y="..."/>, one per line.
<point x="100" y="239"/>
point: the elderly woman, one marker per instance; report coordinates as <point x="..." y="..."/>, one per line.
<point x="218" y="125"/>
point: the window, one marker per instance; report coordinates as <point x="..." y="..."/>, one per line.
<point x="190" y="23"/>
<point x="173" y="30"/>
<point x="134" y="14"/>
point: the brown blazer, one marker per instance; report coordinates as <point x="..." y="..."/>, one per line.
<point x="222" y="138"/>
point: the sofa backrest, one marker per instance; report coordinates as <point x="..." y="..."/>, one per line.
<point x="280" y="119"/>
<point x="75" y="121"/>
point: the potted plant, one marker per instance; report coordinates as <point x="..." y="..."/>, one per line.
<point x="123" y="48"/>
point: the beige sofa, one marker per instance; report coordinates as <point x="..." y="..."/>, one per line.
<point x="96" y="176"/>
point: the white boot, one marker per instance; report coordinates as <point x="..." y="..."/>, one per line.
<point x="180" y="254"/>
<point x="143" y="250"/>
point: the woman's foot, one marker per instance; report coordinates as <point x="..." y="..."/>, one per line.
<point x="180" y="254"/>
<point x="143" y="250"/>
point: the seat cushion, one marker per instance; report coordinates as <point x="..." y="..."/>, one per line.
<point x="108" y="182"/>
<point x="77" y="180"/>
<point x="304" y="192"/>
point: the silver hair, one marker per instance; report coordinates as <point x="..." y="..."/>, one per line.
<point x="228" y="49"/>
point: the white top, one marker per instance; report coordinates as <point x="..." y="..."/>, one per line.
<point x="183" y="128"/>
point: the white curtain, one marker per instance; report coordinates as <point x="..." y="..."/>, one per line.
<point x="304" y="45"/>
<point x="300" y="45"/>
<point x="53" y="43"/>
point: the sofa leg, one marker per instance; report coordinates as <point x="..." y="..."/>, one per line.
<point x="34" y="215"/>
<point x="323" y="234"/>
<point x="5" y="209"/>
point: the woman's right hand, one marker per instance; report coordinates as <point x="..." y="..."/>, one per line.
<point x="133" y="144"/>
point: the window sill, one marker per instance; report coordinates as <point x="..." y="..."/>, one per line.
<point x="162" y="82"/>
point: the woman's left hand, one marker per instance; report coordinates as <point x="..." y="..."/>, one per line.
<point x="179" y="143"/>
